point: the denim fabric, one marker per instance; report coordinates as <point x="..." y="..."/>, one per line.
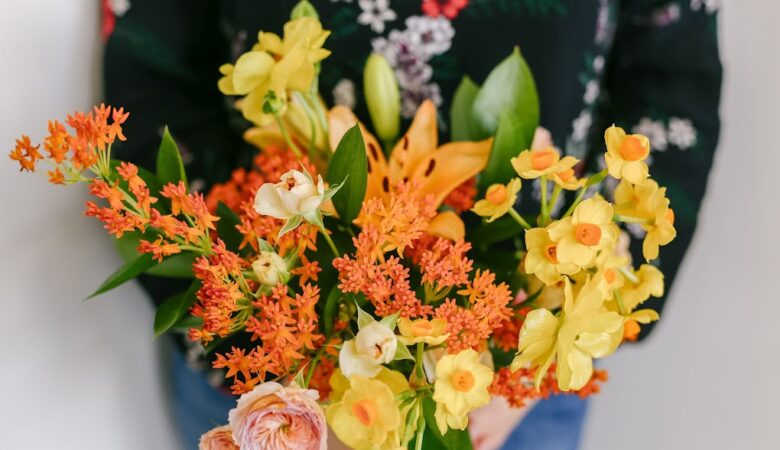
<point x="553" y="424"/>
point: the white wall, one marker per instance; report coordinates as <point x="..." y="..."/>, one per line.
<point x="72" y="375"/>
<point x="708" y="376"/>
<point x="85" y="375"/>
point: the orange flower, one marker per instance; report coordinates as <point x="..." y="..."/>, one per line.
<point x="159" y="249"/>
<point x="25" y="154"/>
<point x="56" y="143"/>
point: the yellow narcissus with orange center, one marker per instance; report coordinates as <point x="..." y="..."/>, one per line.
<point x="542" y="257"/>
<point x="626" y="155"/>
<point x="367" y="414"/>
<point x="461" y="386"/>
<point x="417" y="157"/>
<point x="567" y="180"/>
<point x="647" y="202"/>
<point x="587" y="231"/>
<point x="430" y="332"/>
<point x="530" y="164"/>
<point x="499" y="199"/>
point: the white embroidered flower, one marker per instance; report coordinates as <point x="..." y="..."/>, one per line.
<point x="343" y="1"/>
<point x="409" y="63"/>
<point x="344" y="93"/>
<point x="710" y="6"/>
<point x="592" y="90"/>
<point x="432" y="36"/>
<point x="598" y="64"/>
<point x="375" y="14"/>
<point x="682" y="133"/>
<point x="119" y="7"/>
<point x="581" y="126"/>
<point x="413" y="96"/>
<point x="654" y="130"/>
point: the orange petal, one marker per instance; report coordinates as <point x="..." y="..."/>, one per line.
<point x="447" y="225"/>
<point x="420" y="141"/>
<point x="450" y="166"/>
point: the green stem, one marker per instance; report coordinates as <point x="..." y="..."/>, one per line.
<point x="629" y="219"/>
<point x="577" y="201"/>
<point x="519" y="219"/>
<point x="314" y="362"/>
<point x="418" y="443"/>
<point x="556" y="193"/>
<point x="629" y="276"/>
<point x="330" y="242"/>
<point x="286" y="136"/>
<point x="545" y="206"/>
<point x="419" y="358"/>
<point x="620" y="305"/>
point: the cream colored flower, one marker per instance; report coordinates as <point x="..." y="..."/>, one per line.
<point x="270" y="269"/>
<point x="273" y="417"/>
<point x="220" y="438"/>
<point x="295" y="195"/>
<point x="374" y="345"/>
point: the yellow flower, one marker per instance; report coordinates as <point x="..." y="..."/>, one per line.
<point x="531" y="164"/>
<point x="430" y="332"/>
<point x="587" y="231"/>
<point x="648" y="203"/>
<point x="581" y="332"/>
<point x="273" y="66"/>
<point x="499" y="199"/>
<point x="649" y="281"/>
<point x="567" y="180"/>
<point x="626" y="155"/>
<point x="367" y="415"/>
<point x="461" y="386"/>
<point x="542" y="260"/>
<point x="395" y="380"/>
<point x="608" y="275"/>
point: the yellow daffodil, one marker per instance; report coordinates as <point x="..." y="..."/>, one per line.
<point x="647" y="203"/>
<point x="273" y="66"/>
<point x="631" y="326"/>
<point x="417" y="156"/>
<point x="531" y="164"/>
<point x="608" y="275"/>
<point x="582" y="331"/>
<point x="499" y="199"/>
<point x="647" y="281"/>
<point x="395" y="380"/>
<point x="626" y="155"/>
<point x="461" y="386"/>
<point x="367" y="415"/>
<point x="542" y="260"/>
<point x="584" y="233"/>
<point x="430" y="332"/>
<point x="567" y="180"/>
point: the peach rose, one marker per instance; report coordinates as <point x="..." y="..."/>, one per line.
<point x="220" y="438"/>
<point x="273" y="417"/>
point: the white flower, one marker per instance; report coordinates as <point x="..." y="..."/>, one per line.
<point x="581" y="126"/>
<point x="119" y="7"/>
<point x="374" y="345"/>
<point x="270" y="269"/>
<point x="375" y="14"/>
<point x="682" y="133"/>
<point x="344" y="93"/>
<point x="598" y="64"/>
<point x="432" y="36"/>
<point x="654" y="130"/>
<point x="592" y="90"/>
<point x="710" y="6"/>
<point x="295" y="195"/>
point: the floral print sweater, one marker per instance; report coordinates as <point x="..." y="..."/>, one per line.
<point x="650" y="66"/>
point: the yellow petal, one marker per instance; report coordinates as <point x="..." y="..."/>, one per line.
<point x="447" y="225"/>
<point x="614" y="137"/>
<point x="252" y="70"/>
<point x="265" y="137"/>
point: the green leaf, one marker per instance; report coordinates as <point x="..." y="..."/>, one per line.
<point x="510" y="139"/>
<point x="489" y="233"/>
<point x="509" y="87"/>
<point x="363" y="318"/>
<point x="402" y="352"/>
<point x="176" y="266"/>
<point x="461" y="122"/>
<point x="349" y="160"/>
<point x="170" y="167"/>
<point x="226" y="227"/>
<point x="125" y="273"/>
<point x="173" y="309"/>
<point x="331" y="309"/>
<point x="390" y="320"/>
<point x="596" y="178"/>
<point x="451" y="440"/>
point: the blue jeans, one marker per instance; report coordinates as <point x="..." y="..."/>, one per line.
<point x="553" y="424"/>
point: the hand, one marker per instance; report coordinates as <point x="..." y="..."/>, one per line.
<point x="491" y="425"/>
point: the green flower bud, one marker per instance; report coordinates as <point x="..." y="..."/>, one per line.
<point x="304" y="9"/>
<point x="382" y="97"/>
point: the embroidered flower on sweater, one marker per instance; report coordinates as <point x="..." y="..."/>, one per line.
<point x="344" y="93"/>
<point x="654" y="130"/>
<point x="682" y="133"/>
<point x="375" y="14"/>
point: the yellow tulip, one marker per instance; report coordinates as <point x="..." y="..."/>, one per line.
<point x="626" y="155"/>
<point x="499" y="199"/>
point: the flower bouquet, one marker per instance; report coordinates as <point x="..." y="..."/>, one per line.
<point x="380" y="285"/>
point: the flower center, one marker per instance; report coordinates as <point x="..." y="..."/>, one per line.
<point x="496" y="194"/>
<point x="365" y="411"/>
<point x="542" y="159"/>
<point x="551" y="253"/>
<point x="422" y="328"/>
<point x="670" y="216"/>
<point x="632" y="149"/>
<point x="566" y="174"/>
<point x="610" y="275"/>
<point x="587" y="234"/>
<point x="463" y="380"/>
<point x="290" y="183"/>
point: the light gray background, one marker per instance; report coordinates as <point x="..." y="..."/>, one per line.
<point x="85" y="375"/>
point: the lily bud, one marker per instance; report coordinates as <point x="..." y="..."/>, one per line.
<point x="304" y="9"/>
<point x="382" y="97"/>
<point x="270" y="269"/>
